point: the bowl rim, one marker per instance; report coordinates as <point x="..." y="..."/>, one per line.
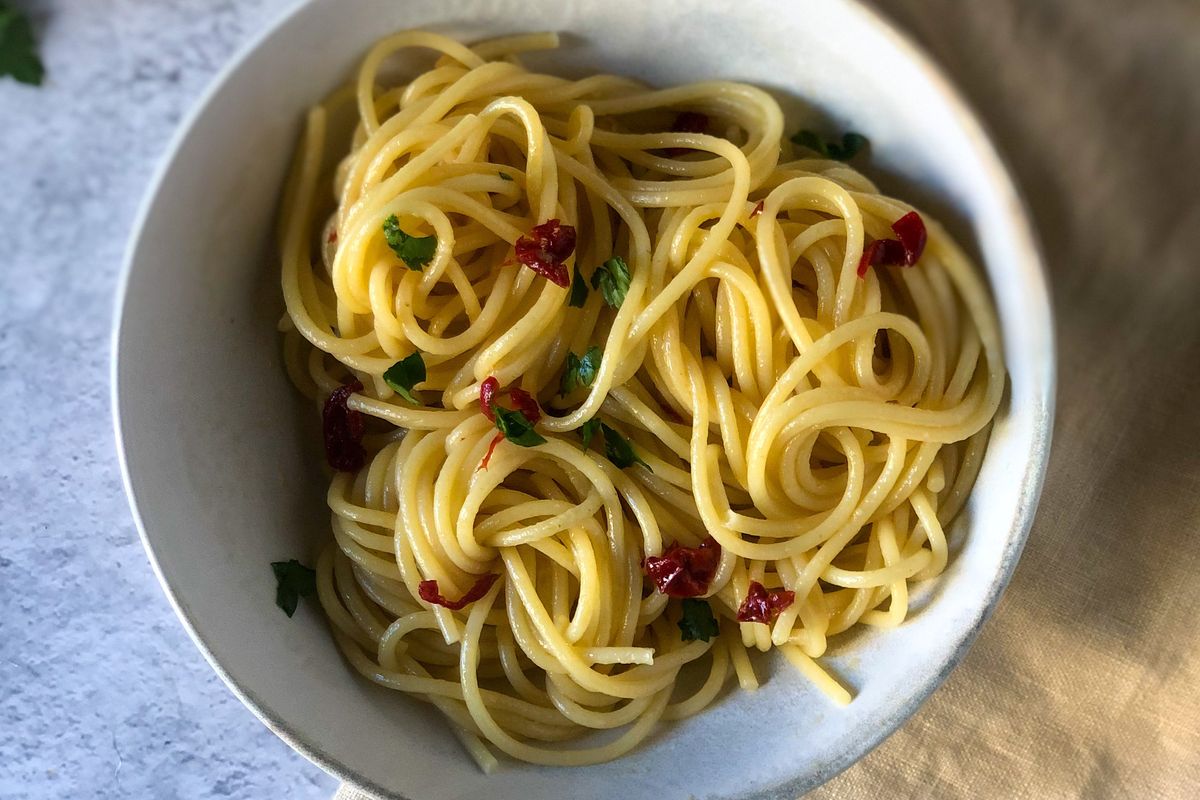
<point x="1031" y="482"/>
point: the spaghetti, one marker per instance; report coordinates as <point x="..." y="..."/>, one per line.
<point x="727" y="415"/>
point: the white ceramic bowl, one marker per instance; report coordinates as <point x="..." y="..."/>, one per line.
<point x="220" y="456"/>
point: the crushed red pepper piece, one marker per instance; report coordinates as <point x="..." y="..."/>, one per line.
<point x="526" y="404"/>
<point x="545" y="250"/>
<point x="910" y="230"/>
<point x="430" y="594"/>
<point x="496" y="440"/>
<point x="487" y="396"/>
<point x="901" y="252"/>
<point x="343" y="430"/>
<point x="684" y="571"/>
<point x="758" y="208"/>
<point x="762" y="604"/>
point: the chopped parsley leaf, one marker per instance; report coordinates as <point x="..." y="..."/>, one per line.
<point x="850" y="146"/>
<point x="618" y="449"/>
<point x="580" y="372"/>
<point x="404" y="375"/>
<point x="517" y="428"/>
<point x="697" y="621"/>
<point x="612" y="279"/>
<point x="294" y="580"/>
<point x="579" y="290"/>
<point x="414" y="251"/>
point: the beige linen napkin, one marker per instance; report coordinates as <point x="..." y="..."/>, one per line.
<point x="1086" y="683"/>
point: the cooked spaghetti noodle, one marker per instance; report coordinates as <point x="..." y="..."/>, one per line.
<point x="822" y="426"/>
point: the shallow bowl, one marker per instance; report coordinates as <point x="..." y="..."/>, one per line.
<point x="219" y="453"/>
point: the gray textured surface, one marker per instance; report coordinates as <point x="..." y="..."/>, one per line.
<point x="103" y="696"/>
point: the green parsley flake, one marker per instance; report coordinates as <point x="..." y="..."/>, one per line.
<point x="517" y="428"/>
<point x="580" y="372"/>
<point x="406" y="374"/>
<point x="697" y="621"/>
<point x="294" y="580"/>
<point x="852" y="144"/>
<point x="18" y="49"/>
<point x="588" y="430"/>
<point x="414" y="251"/>
<point x="612" y="279"/>
<point x="579" y="290"/>
<point x="618" y="449"/>
<point x="504" y="176"/>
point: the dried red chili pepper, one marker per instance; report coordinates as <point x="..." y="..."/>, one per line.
<point x="901" y="252"/>
<point x="545" y="250"/>
<point x="684" y="571"/>
<point x="430" y="594"/>
<point x="762" y="604"/>
<point x="526" y="404"/>
<point x="910" y="230"/>
<point x="343" y="430"/>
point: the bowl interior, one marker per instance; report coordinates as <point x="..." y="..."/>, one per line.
<point x="221" y="456"/>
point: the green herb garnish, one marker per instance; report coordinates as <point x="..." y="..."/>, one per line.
<point x="697" y="621"/>
<point x="588" y="430"/>
<point x="619" y="450"/>
<point x="612" y="279"/>
<point x="18" y="49"/>
<point x="294" y="581"/>
<point x="504" y="176"/>
<point x="517" y="428"/>
<point x="404" y="375"/>
<point x="414" y="251"/>
<point x="580" y="372"/>
<point x="579" y="290"/>
<point x="852" y="144"/>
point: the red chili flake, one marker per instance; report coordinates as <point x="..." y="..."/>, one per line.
<point x="902" y="252"/>
<point x="545" y="249"/>
<point x="526" y="404"/>
<point x="343" y="430"/>
<point x="758" y="209"/>
<point x="763" y="605"/>
<point x="910" y="230"/>
<point x="487" y="396"/>
<point x="497" y="439"/>
<point x="684" y="571"/>
<point x="687" y="122"/>
<point x="430" y="594"/>
<point x="332" y="237"/>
